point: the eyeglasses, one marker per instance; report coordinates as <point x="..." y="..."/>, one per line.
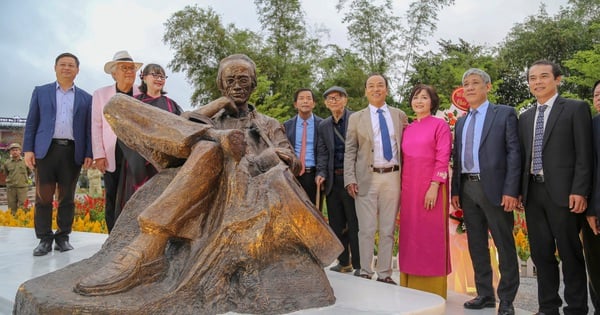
<point x="243" y="81"/>
<point x="127" y="68"/>
<point x="158" y="76"/>
<point x="333" y="98"/>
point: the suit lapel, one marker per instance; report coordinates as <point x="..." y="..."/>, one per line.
<point x="366" y="121"/>
<point x="488" y="122"/>
<point x="458" y="131"/>
<point x="52" y="95"/>
<point x="557" y="108"/>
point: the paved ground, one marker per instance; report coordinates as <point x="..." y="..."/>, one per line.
<point x="526" y="299"/>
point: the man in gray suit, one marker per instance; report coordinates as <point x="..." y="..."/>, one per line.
<point x="330" y="170"/>
<point x="372" y="175"/>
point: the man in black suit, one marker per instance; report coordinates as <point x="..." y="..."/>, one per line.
<point x="590" y="232"/>
<point x="301" y="131"/>
<point x="341" y="210"/>
<point x="485" y="184"/>
<point x="556" y="180"/>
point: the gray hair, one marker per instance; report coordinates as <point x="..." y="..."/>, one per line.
<point x="484" y="76"/>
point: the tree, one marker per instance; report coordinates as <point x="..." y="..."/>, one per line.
<point x="585" y="70"/>
<point x="290" y="54"/>
<point x="556" y="38"/>
<point x="344" y="68"/>
<point x="200" y="41"/>
<point x="375" y="33"/>
<point x="444" y="69"/>
<point x="421" y="17"/>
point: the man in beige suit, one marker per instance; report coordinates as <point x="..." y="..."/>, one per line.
<point x="372" y="175"/>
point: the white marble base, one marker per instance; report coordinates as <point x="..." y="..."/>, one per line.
<point x="354" y="295"/>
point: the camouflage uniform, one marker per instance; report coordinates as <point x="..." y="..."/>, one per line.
<point x="17" y="182"/>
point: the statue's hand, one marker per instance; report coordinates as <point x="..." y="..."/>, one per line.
<point x="289" y="158"/>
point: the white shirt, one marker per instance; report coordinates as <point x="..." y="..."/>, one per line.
<point x="378" y="159"/>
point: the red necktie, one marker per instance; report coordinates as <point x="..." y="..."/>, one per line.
<point x="303" y="148"/>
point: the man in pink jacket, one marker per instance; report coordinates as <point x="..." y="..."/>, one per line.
<point x="105" y="147"/>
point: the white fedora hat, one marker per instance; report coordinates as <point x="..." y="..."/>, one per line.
<point x="121" y="56"/>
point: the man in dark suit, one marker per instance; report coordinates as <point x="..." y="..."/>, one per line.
<point x="485" y="184"/>
<point x="590" y="232"/>
<point x="301" y="131"/>
<point x="330" y="170"/>
<point x="57" y="142"/>
<point x="556" y="180"/>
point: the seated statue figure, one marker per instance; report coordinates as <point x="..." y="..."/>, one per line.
<point x="215" y="200"/>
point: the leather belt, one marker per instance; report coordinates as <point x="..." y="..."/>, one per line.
<point x="382" y="170"/>
<point x="65" y="142"/>
<point x="308" y="170"/>
<point x="537" y="178"/>
<point x="338" y="171"/>
<point x="474" y="177"/>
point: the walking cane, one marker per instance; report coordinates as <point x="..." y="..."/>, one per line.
<point x="318" y="201"/>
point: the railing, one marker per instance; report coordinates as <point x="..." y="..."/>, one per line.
<point x="15" y="122"/>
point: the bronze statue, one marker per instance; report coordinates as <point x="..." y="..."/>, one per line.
<point x="229" y="230"/>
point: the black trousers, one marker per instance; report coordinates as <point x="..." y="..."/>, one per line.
<point x="111" y="186"/>
<point x="341" y="213"/>
<point x="307" y="181"/>
<point x="55" y="173"/>
<point x="480" y="216"/>
<point x="591" y="249"/>
<point x="550" y="227"/>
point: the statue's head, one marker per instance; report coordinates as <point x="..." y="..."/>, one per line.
<point x="236" y="78"/>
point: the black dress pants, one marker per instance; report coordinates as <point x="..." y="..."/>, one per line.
<point x="55" y="173"/>
<point x="341" y="213"/>
<point x="551" y="227"/>
<point x="111" y="186"/>
<point x="591" y="249"/>
<point x="307" y="181"/>
<point x="480" y="216"/>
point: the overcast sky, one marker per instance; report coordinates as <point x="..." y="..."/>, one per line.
<point x="34" y="32"/>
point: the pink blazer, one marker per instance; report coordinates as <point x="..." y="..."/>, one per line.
<point x="104" y="139"/>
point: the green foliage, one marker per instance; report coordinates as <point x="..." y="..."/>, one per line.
<point x="375" y="33"/>
<point x="290" y="53"/>
<point x="444" y="70"/>
<point x="200" y="41"/>
<point x="556" y="38"/>
<point x="585" y="67"/>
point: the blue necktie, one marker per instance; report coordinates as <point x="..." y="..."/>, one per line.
<point x="385" y="136"/>
<point x="470" y="136"/>
<point x="538" y="140"/>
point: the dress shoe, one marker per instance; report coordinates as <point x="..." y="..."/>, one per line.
<point x="43" y="248"/>
<point x="341" y="268"/>
<point x="128" y="269"/>
<point x="506" y="308"/>
<point x="480" y="302"/>
<point x="357" y="272"/>
<point x="62" y="245"/>
<point x="387" y="280"/>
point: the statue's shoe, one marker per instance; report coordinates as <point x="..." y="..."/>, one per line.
<point x="127" y="270"/>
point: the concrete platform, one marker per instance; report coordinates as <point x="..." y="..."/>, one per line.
<point x="354" y="295"/>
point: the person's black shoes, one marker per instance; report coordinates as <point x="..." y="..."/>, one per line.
<point x="43" y="248"/>
<point x="480" y="302"/>
<point x="506" y="308"/>
<point x="62" y="245"/>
